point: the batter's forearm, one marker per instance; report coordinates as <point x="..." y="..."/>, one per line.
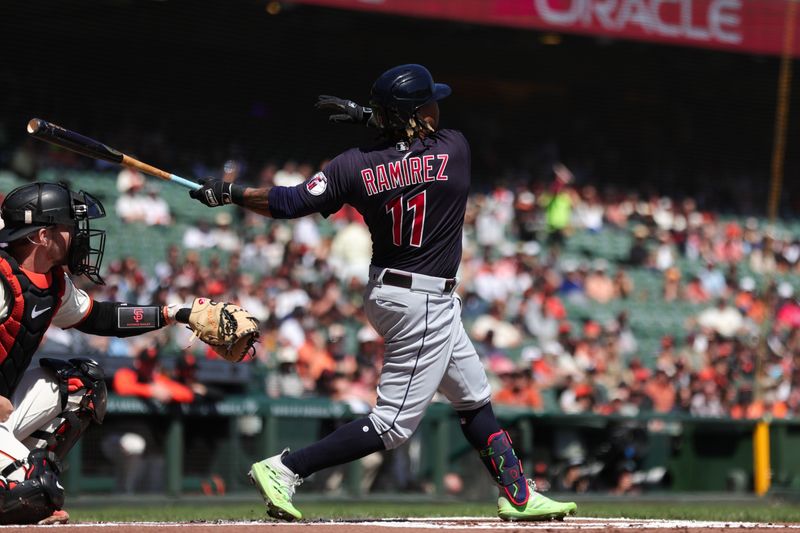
<point x="256" y="200"/>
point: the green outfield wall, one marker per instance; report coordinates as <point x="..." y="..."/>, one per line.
<point x="196" y="442"/>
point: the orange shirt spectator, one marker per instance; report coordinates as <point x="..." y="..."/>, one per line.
<point x="519" y="390"/>
<point x="758" y="409"/>
<point x="313" y="359"/>
<point x="147" y="381"/>
<point x="694" y="291"/>
<point x="555" y="307"/>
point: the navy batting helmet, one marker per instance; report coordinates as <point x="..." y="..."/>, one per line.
<point x="399" y="92"/>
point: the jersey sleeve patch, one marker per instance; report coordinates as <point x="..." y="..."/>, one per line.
<point x="318" y="184"/>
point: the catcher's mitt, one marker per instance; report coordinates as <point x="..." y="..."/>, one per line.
<point x="229" y="329"/>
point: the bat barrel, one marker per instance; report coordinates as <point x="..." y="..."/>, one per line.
<point x="54" y="134"/>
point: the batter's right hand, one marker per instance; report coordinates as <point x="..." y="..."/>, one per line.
<point x="213" y="192"/>
<point x="345" y="111"/>
<point x="6" y="408"/>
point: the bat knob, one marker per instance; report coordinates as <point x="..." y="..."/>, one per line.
<point x="33" y="125"/>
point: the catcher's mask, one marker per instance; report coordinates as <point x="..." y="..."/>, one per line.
<point x="38" y="205"/>
<point x="397" y="95"/>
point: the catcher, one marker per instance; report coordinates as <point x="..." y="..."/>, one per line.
<point x="44" y="410"/>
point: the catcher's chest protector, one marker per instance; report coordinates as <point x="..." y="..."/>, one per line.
<point x="30" y="311"/>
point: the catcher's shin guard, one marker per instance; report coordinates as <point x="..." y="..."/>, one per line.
<point x="505" y="467"/>
<point x="37" y="496"/>
<point x="76" y="376"/>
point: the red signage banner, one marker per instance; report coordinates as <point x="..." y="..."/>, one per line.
<point x="750" y="26"/>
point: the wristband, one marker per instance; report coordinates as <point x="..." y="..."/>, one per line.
<point x="237" y="194"/>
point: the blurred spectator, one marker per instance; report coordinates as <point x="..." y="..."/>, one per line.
<point x="762" y="258"/>
<point x="707" y="401"/>
<point x="589" y="211"/>
<point x="638" y="254"/>
<point x="623" y="284"/>
<point x="672" y="284"/>
<point x="661" y="392"/>
<point x="788" y="315"/>
<point x="599" y="286"/>
<point x="519" y="389"/>
<point x="695" y="292"/>
<point x="665" y="254"/>
<point x="198" y="236"/>
<point x="129" y="177"/>
<point x="157" y="209"/>
<point x="146" y="380"/>
<point x="557" y="204"/>
<point x="713" y="280"/>
<point x="748" y="303"/>
<point x="223" y="236"/>
<point x="289" y="175"/>
<point x="504" y="334"/>
<point x="572" y="284"/>
<point x="577" y="399"/>
<point x="185" y="373"/>
<point x="132" y="205"/>
<point x="351" y="251"/>
<point x="284" y="381"/>
<point x="723" y="318"/>
<point x="313" y="359"/>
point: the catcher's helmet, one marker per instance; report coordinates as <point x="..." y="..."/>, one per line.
<point x="28" y="208"/>
<point x="399" y="92"/>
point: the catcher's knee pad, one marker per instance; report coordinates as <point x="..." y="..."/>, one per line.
<point x="35" y="497"/>
<point x="83" y="395"/>
<point x="505" y="467"/>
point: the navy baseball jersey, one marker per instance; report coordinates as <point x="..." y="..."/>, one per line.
<point x="412" y="197"/>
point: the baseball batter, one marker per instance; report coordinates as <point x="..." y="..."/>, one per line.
<point x="43" y="411"/>
<point x="412" y="191"/>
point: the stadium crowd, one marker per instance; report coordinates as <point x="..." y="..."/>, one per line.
<point x="528" y="298"/>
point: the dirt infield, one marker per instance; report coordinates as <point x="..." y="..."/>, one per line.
<point x="411" y="526"/>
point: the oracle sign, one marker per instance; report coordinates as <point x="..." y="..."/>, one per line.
<point x="755" y="26"/>
<point x="714" y="20"/>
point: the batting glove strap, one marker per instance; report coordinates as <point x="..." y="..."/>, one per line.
<point x="215" y="192"/>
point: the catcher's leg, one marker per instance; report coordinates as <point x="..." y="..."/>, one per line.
<point x="82" y="400"/>
<point x="36" y="402"/>
<point x="38" y="496"/>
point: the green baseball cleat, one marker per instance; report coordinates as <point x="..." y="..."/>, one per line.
<point x="538" y="507"/>
<point x="277" y="485"/>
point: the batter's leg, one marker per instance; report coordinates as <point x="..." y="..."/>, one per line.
<point x="466" y="386"/>
<point x="417" y="328"/>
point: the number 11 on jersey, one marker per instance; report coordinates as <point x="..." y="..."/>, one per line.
<point x="415" y="204"/>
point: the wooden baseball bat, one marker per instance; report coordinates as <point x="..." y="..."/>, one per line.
<point x="52" y="133"/>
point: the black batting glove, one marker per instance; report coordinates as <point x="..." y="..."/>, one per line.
<point x="343" y="111"/>
<point x="215" y="192"/>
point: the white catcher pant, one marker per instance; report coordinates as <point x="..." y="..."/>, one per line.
<point x="36" y="406"/>
<point x="427" y="350"/>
